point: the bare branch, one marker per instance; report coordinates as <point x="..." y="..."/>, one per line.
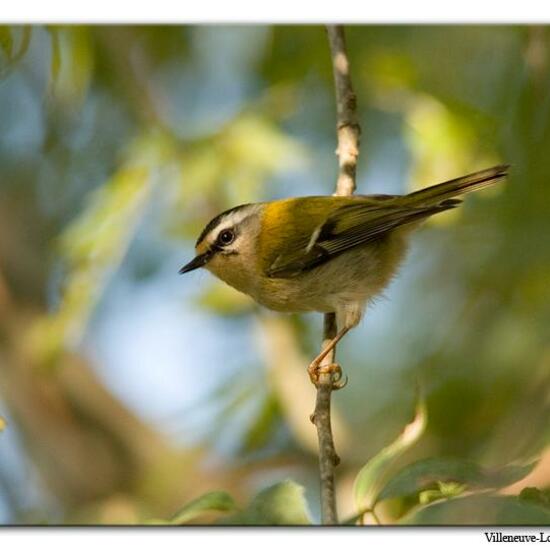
<point x="347" y="126"/>
<point x="348" y="132"/>
<point x="328" y="459"/>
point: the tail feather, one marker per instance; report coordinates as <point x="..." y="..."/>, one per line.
<point x="459" y="186"/>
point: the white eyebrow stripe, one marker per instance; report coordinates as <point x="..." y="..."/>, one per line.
<point x="231" y="220"/>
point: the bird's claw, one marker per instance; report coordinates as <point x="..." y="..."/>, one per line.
<point x="333" y="369"/>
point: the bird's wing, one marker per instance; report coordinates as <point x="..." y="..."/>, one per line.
<point x="349" y="226"/>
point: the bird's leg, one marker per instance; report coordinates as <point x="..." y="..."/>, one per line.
<point x="315" y="369"/>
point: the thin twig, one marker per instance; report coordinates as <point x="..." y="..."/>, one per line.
<point x="328" y="459"/>
<point x="347" y="126"/>
<point x="348" y="132"/>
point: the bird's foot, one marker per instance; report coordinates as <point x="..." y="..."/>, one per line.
<point x="333" y="369"/>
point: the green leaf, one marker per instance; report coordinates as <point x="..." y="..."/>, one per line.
<point x="449" y="474"/>
<point x="6" y="40"/>
<point x="216" y="501"/>
<point x="263" y="424"/>
<point x="71" y="63"/>
<point x="444" y="489"/>
<point x="374" y="474"/>
<point x="532" y="494"/>
<point x="479" y="510"/>
<point x="14" y="42"/>
<point x="280" y="504"/>
<point x="55" y="62"/>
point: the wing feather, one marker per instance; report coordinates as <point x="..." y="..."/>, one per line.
<point x="347" y="227"/>
<point x="365" y="219"/>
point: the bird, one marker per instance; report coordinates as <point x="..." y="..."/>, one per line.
<point x="326" y="254"/>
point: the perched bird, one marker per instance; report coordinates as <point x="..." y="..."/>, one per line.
<point x="325" y="253"/>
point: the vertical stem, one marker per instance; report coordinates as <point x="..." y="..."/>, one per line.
<point x="347" y="125"/>
<point x="328" y="459"/>
<point x="348" y="132"/>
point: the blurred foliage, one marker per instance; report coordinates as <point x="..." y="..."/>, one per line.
<point x="452" y="476"/>
<point x="281" y="504"/>
<point x="480" y="510"/>
<point x="92" y="246"/>
<point x="118" y="143"/>
<point x="216" y="501"/>
<point x="535" y="495"/>
<point x="377" y="470"/>
<point x="14" y="44"/>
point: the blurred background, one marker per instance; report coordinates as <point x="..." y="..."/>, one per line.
<point x="127" y="390"/>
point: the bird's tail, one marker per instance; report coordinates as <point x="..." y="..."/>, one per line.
<point x="459" y="186"/>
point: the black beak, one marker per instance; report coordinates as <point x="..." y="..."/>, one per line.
<point x="199" y="261"/>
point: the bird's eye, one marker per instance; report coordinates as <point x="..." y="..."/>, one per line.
<point x="226" y="237"/>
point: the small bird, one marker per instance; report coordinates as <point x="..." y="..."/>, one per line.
<point x="323" y="253"/>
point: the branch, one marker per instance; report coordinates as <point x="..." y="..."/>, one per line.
<point x="348" y="132"/>
<point x="328" y="459"/>
<point x="347" y="126"/>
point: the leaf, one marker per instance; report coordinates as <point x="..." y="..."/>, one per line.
<point x="9" y="37"/>
<point x="71" y="63"/>
<point x="532" y="494"/>
<point x="448" y="472"/>
<point x="216" y="501"/>
<point x="444" y="489"/>
<point x="479" y="510"/>
<point x="375" y="472"/>
<point x="280" y="504"/>
<point x="6" y="40"/>
<point x="263" y="424"/>
<point x="3" y="424"/>
<point x="55" y="62"/>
